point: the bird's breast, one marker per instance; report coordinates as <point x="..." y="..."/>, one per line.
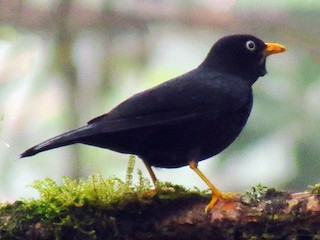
<point x="177" y="145"/>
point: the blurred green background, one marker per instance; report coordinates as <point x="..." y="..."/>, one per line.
<point x="65" y="62"/>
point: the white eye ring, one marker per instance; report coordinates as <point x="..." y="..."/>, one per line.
<point x="251" y="45"/>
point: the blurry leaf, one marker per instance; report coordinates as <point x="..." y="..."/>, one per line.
<point x="8" y="33"/>
<point x="308" y="160"/>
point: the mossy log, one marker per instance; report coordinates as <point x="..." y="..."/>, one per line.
<point x="269" y="214"/>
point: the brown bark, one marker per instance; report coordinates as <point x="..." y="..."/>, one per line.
<point x="276" y="215"/>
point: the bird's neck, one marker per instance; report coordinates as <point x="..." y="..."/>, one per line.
<point x="250" y="76"/>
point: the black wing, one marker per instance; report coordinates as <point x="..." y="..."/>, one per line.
<point x="194" y="95"/>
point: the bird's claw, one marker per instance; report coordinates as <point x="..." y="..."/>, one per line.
<point x="215" y="198"/>
<point x="211" y="204"/>
<point x="150" y="193"/>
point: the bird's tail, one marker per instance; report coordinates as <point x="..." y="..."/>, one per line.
<point x="64" y="139"/>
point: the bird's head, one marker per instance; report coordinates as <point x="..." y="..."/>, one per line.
<point x="241" y="55"/>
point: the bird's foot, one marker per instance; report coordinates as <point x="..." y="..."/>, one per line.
<point x="220" y="195"/>
<point x="150" y="193"/>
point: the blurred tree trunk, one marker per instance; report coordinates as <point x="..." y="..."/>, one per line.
<point x="64" y="40"/>
<point x="298" y="28"/>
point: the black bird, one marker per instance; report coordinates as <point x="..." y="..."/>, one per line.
<point x="186" y="119"/>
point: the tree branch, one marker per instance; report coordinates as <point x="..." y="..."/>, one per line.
<point x="269" y="215"/>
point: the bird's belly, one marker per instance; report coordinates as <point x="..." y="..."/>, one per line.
<point x="175" y="145"/>
<point x="180" y="147"/>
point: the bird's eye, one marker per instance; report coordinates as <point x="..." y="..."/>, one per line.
<point x="250" y="45"/>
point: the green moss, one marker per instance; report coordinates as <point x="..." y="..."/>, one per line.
<point x="275" y="201"/>
<point x="315" y="190"/>
<point x="78" y="206"/>
<point x="255" y="194"/>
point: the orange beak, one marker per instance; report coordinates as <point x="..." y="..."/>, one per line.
<point x="273" y="48"/>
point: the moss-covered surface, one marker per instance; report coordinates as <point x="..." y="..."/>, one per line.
<point x="88" y="215"/>
<point x="90" y="208"/>
<point x="315" y="190"/>
<point x="98" y="208"/>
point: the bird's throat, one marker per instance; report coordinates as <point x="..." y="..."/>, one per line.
<point x="262" y="64"/>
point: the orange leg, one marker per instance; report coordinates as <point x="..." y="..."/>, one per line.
<point x="153" y="178"/>
<point x="216" y="194"/>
